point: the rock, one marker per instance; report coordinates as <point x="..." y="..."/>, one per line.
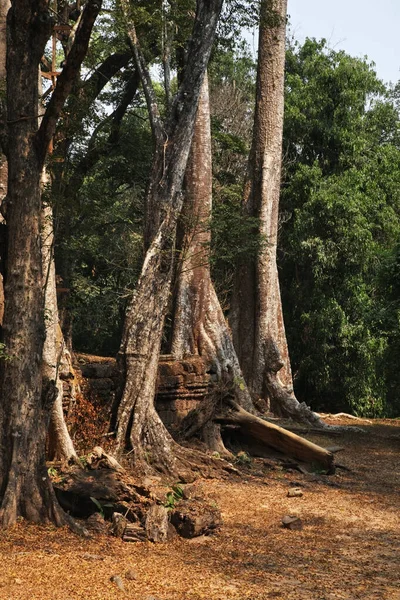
<point x="131" y="575"/>
<point x="88" y="556"/>
<point x="292" y="522"/>
<point x="172" y="533"/>
<point x="194" y="518"/>
<point x="118" y="582"/>
<point x="96" y="523"/>
<point x="134" y="533"/>
<point x="104" y="370"/>
<point x="201" y="539"/>
<point x="98" y="459"/>
<point x="157" y="523"/>
<point x="119" y="523"/>
<point x="295" y="493"/>
<point x="192" y="490"/>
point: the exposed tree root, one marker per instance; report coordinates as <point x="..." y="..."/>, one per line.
<point x="284" y="441"/>
<point x="40" y="505"/>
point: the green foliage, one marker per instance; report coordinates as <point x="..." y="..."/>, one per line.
<point x="100" y="239"/>
<point x="55" y="475"/>
<point x="173" y="496"/>
<point x="341" y="206"/>
<point x="101" y="505"/>
<point x="242" y="458"/>
<point x="3" y="352"/>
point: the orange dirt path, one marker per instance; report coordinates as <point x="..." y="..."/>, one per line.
<point x="349" y="547"/>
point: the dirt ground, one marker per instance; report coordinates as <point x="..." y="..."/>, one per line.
<point x="349" y="546"/>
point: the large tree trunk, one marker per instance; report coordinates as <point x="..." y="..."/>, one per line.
<point x="25" y="488"/>
<point x="199" y="325"/>
<point x="60" y="445"/>
<point x="257" y="320"/>
<point x="138" y="424"/>
<point x="280" y="439"/>
<point x="4" y="7"/>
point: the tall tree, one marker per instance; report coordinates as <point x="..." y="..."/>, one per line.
<point x="199" y="325"/>
<point x="25" y="489"/>
<point x="55" y="353"/>
<point x="138" y="425"/>
<point x="4" y="7"/>
<point x="257" y="320"/>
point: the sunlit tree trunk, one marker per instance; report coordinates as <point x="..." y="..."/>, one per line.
<point x="54" y="351"/>
<point x="138" y="424"/>
<point x="257" y="320"/>
<point x="199" y="326"/>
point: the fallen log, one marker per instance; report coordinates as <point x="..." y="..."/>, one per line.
<point x="278" y="438"/>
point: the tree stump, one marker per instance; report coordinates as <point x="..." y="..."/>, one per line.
<point x="157" y="523"/>
<point x="193" y="518"/>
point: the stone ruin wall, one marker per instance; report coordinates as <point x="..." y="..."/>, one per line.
<point x="181" y="385"/>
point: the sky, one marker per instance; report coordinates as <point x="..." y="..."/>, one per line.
<point x="360" y="27"/>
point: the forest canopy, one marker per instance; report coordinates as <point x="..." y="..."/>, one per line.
<point x="338" y="250"/>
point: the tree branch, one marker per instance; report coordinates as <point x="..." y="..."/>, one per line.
<point x="145" y="78"/>
<point x="102" y="75"/>
<point x="66" y="79"/>
<point x="94" y="153"/>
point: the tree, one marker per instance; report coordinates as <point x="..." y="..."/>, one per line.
<point x="55" y="354"/>
<point x="4" y="6"/>
<point x="99" y="190"/>
<point x="26" y="404"/>
<point x="138" y="425"/>
<point x="199" y="325"/>
<point x="53" y="348"/>
<point x="340" y="203"/>
<point x="256" y="316"/>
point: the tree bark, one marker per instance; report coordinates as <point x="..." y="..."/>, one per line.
<point x="60" y="445"/>
<point x="199" y="326"/>
<point x="280" y="439"/>
<point x="256" y="316"/>
<point x="4" y="7"/>
<point x="138" y="424"/>
<point x="25" y="488"/>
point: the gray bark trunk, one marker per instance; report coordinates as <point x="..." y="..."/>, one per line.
<point x="61" y="446"/>
<point x="138" y="424"/>
<point x="257" y="319"/>
<point x="199" y="326"/>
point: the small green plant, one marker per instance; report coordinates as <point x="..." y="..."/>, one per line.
<point x="54" y="475"/>
<point x="84" y="461"/>
<point x="174" y="496"/>
<point x="239" y="381"/>
<point x="101" y="506"/>
<point x="242" y="458"/>
<point x="3" y="352"/>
